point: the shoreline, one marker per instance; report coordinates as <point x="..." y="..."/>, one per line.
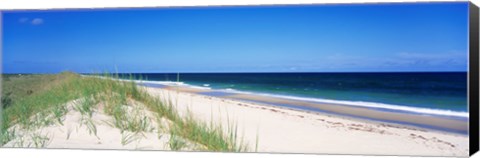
<point x="451" y="124"/>
<point x="282" y="130"/>
<point x="397" y="108"/>
<point x="447" y="113"/>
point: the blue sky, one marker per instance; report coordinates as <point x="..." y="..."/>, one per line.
<point x="314" y="38"/>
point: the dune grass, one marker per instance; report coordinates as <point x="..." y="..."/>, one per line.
<point x="31" y="105"/>
<point x="128" y="137"/>
<point x="50" y="104"/>
<point x="18" y="86"/>
<point x="176" y="143"/>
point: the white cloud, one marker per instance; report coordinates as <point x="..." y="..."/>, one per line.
<point x="405" y="61"/>
<point x="37" y="21"/>
<point x="34" y="21"/>
<point x="431" y="56"/>
<point x="23" y="20"/>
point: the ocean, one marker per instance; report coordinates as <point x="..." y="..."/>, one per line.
<point x="443" y="93"/>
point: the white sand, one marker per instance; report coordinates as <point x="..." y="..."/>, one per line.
<point x="75" y="134"/>
<point x="278" y="130"/>
<point x="290" y="131"/>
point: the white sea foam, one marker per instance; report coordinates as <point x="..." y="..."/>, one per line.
<point x="166" y="83"/>
<point x="362" y="104"/>
<point x="198" y="87"/>
<point x="172" y="83"/>
<point x="231" y="90"/>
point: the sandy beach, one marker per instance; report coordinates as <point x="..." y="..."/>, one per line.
<point x="283" y="130"/>
<point x="274" y="129"/>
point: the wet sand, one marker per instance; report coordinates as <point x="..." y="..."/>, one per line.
<point x="366" y="113"/>
<point x="408" y="119"/>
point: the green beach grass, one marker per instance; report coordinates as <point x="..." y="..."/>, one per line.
<point x="34" y="101"/>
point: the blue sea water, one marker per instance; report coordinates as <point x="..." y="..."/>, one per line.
<point x="429" y="90"/>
